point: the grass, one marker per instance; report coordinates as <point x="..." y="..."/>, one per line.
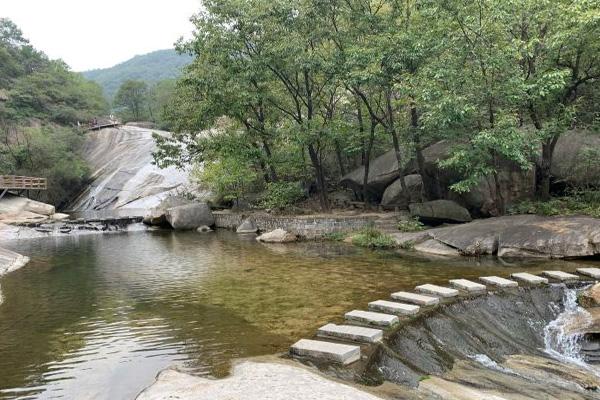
<point x="577" y="202"/>
<point x="411" y="225"/>
<point x="373" y="239"/>
<point x="335" y="236"/>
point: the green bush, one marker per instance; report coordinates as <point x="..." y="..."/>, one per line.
<point x="411" y="225"/>
<point x="373" y="239"/>
<point x="577" y="202"/>
<point x="279" y="195"/>
<point x="335" y="236"/>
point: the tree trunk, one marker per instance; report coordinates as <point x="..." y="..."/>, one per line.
<point x="429" y="185"/>
<point x="340" y="160"/>
<point x="368" y="150"/>
<point x="321" y="183"/>
<point x="543" y="189"/>
<point x="392" y="131"/>
<point x="272" y="172"/>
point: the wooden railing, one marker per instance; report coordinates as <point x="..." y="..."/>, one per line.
<point x="14" y="182"/>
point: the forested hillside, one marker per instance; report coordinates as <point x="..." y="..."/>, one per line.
<point x="41" y="105"/>
<point x="149" y="68"/>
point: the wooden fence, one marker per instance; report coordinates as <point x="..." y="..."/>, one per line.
<point x="14" y="182"/>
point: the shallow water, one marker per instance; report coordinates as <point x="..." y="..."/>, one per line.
<point x="97" y="317"/>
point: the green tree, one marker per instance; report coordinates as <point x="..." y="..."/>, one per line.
<point x="132" y="96"/>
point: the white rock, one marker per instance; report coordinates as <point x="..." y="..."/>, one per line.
<point x="327" y="351"/>
<point x="392" y="307"/>
<point x="467" y="285"/>
<point x="372" y="318"/>
<point x="497" y="281"/>
<point x="593" y="272"/>
<point x="436" y="290"/>
<point x="415" y="298"/>
<point x="560" y="275"/>
<point x="351" y="332"/>
<point x="529" y="278"/>
<point x="277" y="236"/>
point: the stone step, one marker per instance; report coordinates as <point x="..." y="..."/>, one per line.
<point x="497" y="281"/>
<point x="372" y="318"/>
<point x="340" y="353"/>
<point x="529" y="278"/>
<point x="467" y="285"/>
<point x="593" y="272"/>
<point x="436" y="290"/>
<point x="415" y="298"/>
<point x="351" y="332"/>
<point x="392" y="307"/>
<point x="560" y="276"/>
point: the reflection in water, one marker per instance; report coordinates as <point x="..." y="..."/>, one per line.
<point x="97" y="317"/>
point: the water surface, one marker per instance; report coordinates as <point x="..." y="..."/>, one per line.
<point x="97" y="317"/>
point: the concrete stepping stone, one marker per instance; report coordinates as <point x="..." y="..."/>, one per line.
<point x="327" y="351"/>
<point x="529" y="278"/>
<point x="497" y="281"/>
<point x="467" y="285"/>
<point x="351" y="332"/>
<point x="415" y="298"/>
<point x="372" y="318"/>
<point x="392" y="307"/>
<point x="436" y="290"/>
<point x="560" y="275"/>
<point x="593" y="272"/>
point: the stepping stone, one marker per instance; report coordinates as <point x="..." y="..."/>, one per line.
<point x="467" y="285"/>
<point x="500" y="282"/>
<point x="351" y="332"/>
<point x="372" y="318"/>
<point x="436" y="290"/>
<point x="560" y="276"/>
<point x="593" y="272"/>
<point x="529" y="278"/>
<point x="327" y="351"/>
<point x="415" y="298"/>
<point x="391" y="307"/>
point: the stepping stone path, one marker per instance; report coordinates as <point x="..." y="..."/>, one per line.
<point x="415" y="298"/>
<point x="372" y="318"/>
<point x="593" y="272"/>
<point x="560" y="276"/>
<point x="529" y="278"/>
<point x="467" y="285"/>
<point x="392" y="307"/>
<point x="340" y="353"/>
<point x="436" y="290"/>
<point x="351" y="332"/>
<point x="500" y="282"/>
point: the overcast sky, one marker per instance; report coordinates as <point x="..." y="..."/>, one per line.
<point x="100" y="33"/>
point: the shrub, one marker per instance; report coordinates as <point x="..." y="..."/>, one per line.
<point x="335" y="236"/>
<point x="411" y="225"/>
<point x="373" y="239"/>
<point x="578" y="201"/>
<point x="279" y="195"/>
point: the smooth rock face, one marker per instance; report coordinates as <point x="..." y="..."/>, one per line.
<point x="529" y="278"/>
<point x="156" y="216"/>
<point x="593" y="272"/>
<point x="11" y="261"/>
<point x="415" y="298"/>
<point x="123" y="175"/>
<point x="560" y="275"/>
<point x="252" y="381"/>
<point x="498" y="281"/>
<point x="327" y="351"/>
<point x="277" y="236"/>
<point x="392" y="307"/>
<point x="351" y="332"/>
<point x="467" y="285"/>
<point x="590" y="297"/>
<point x="16" y="209"/>
<point x="248" y="226"/>
<point x="190" y="216"/>
<point x="393" y="196"/>
<point x="568" y="154"/>
<point x="438" y="211"/>
<point x="372" y="318"/>
<point x="435" y="290"/>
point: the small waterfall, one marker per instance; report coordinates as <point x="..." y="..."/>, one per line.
<point x="563" y="336"/>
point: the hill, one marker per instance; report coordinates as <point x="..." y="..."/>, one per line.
<point x="150" y="68"/>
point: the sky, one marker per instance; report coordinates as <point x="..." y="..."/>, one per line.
<point x="90" y="34"/>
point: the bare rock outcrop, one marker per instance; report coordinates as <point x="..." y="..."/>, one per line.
<point x="190" y="216"/>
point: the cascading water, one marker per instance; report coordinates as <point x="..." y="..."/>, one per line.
<point x="564" y="335"/>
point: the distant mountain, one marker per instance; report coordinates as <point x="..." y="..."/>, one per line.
<point x="150" y="68"/>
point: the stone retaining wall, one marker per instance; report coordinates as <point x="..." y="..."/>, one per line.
<point x="307" y="226"/>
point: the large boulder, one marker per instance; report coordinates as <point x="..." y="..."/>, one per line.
<point x="395" y="197"/>
<point x="190" y="216"/>
<point x="439" y="211"/>
<point x="277" y="236"/>
<point x="247" y="226"/>
<point x="157" y="216"/>
<point x="590" y="297"/>
<point x="575" y="160"/>
<point x="15" y="204"/>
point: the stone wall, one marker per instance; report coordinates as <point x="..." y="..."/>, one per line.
<point x="307" y="226"/>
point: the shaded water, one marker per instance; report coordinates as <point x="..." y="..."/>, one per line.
<point x="97" y="317"/>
